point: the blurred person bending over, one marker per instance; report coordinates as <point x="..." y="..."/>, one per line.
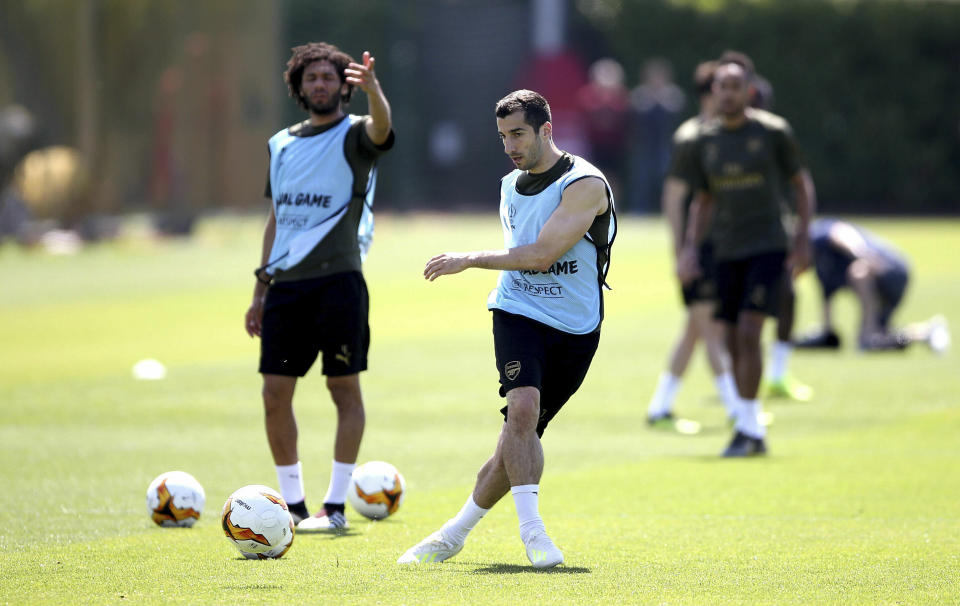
<point x="558" y="222"/>
<point x="310" y="295"/>
<point x="738" y="164"/>
<point x="699" y="294"/>
<point x="847" y="256"/>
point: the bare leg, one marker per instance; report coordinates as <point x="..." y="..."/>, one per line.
<point x="787" y="310"/>
<point x="683" y="350"/>
<point x="520" y="446"/>
<point x="862" y="282"/>
<point x="492" y="481"/>
<point x="345" y="392"/>
<point x="748" y="356"/>
<point x="711" y="331"/>
<point x="279" y="419"/>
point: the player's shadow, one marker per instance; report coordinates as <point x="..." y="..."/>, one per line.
<point x="518" y="569"/>
<point x="329" y="534"/>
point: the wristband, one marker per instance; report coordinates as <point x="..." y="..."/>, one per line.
<point x="256" y="273"/>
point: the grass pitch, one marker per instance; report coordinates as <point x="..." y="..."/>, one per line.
<point x="857" y="502"/>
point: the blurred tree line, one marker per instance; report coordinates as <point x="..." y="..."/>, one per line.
<point x="871" y="88"/>
<point x="165" y="103"/>
<point x="169" y="103"/>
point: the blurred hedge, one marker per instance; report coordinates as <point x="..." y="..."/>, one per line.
<point x="872" y="89"/>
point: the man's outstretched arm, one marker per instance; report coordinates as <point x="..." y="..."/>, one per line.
<point x="581" y="203"/>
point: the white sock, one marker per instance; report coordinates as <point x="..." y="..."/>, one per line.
<point x="727" y="388"/>
<point x="290" y="479"/>
<point x="748" y="421"/>
<point x="458" y="527"/>
<point x="779" y="358"/>
<point x="526" y="499"/>
<point x="662" y="401"/>
<point x="339" y="482"/>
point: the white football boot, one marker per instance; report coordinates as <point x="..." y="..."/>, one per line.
<point x="433" y="549"/>
<point x="541" y="551"/>
<point x="321" y="521"/>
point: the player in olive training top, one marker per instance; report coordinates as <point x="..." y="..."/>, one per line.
<point x="738" y="166"/>
<point x="700" y="294"/>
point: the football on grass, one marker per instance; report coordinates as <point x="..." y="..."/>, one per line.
<point x="376" y="489"/>
<point x="175" y="498"/>
<point x="257" y="522"/>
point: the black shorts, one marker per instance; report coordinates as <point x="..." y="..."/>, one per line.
<point x="303" y="317"/>
<point x="703" y="288"/>
<point x="750" y="284"/>
<point x="531" y="354"/>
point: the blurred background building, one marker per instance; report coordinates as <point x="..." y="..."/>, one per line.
<point x="112" y="106"/>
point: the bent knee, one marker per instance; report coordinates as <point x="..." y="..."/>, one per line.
<point x="523" y="408"/>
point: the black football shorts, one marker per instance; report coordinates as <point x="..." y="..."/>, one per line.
<point x="750" y="284"/>
<point x="532" y="354"/>
<point x="301" y="318"/>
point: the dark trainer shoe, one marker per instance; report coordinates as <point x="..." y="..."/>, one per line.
<point x="743" y="445"/>
<point x="826" y="339"/>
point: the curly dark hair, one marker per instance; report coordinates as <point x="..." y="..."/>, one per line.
<point x="536" y="110"/>
<point x="306" y="54"/>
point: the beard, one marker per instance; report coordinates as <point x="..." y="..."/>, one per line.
<point x="532" y="157"/>
<point x="332" y="105"/>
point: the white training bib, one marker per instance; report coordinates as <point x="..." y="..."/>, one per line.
<point x="567" y="296"/>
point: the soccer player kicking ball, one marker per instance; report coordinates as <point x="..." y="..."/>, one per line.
<point x="558" y="224"/>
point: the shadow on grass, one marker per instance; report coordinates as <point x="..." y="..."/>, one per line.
<point x="329" y="534"/>
<point x="518" y="569"/>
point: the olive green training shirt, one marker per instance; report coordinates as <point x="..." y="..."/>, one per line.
<point x="745" y="170"/>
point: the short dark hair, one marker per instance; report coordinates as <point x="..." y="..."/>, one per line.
<point x="703" y="76"/>
<point x="536" y="110"/>
<point x="308" y="53"/>
<point x="738" y="58"/>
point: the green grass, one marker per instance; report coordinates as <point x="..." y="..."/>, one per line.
<point x="857" y="503"/>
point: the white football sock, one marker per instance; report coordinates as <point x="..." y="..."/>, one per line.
<point x="727" y="388"/>
<point x="662" y="401"/>
<point x="779" y="358"/>
<point x="290" y="479"/>
<point x="748" y="421"/>
<point x="339" y="482"/>
<point x="526" y="499"/>
<point x="458" y="527"/>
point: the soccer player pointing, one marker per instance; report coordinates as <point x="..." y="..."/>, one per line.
<point x="310" y="295"/>
<point x="558" y="224"/>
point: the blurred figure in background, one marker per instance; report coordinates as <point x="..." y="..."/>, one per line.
<point x="738" y="164"/>
<point x="656" y="103"/>
<point x="17" y="138"/>
<point x="604" y="104"/>
<point x="780" y="383"/>
<point x="558" y="74"/>
<point x="700" y="294"/>
<point x="848" y="256"/>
